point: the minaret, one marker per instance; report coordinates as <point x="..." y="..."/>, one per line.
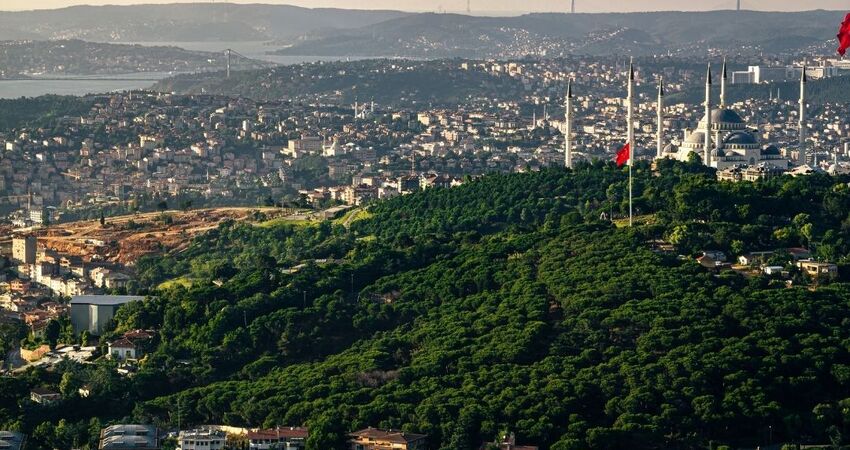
<point x="723" y="78"/>
<point x="660" y="117"/>
<point x="568" y="126"/>
<point x="707" y="145"/>
<point x="801" y="157"/>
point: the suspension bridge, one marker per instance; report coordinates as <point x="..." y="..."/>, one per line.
<point x="232" y="60"/>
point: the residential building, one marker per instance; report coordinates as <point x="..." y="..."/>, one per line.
<point x="94" y="312"/>
<point x="122" y="350"/>
<point x="201" y="439"/>
<point x="819" y="270"/>
<point x="304" y="146"/>
<point x="44" y="396"/>
<point x="378" y="439"/>
<point x="129" y="437"/>
<point x="24" y="249"/>
<point x="508" y="442"/>
<point x="284" y="438"/>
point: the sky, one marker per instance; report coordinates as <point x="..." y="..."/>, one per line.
<point x="482" y="6"/>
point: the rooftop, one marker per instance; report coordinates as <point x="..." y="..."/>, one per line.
<point x="11" y="440"/>
<point x="139" y="437"/>
<point x="394" y="436"/>
<point x="277" y="433"/>
<point x="104" y="300"/>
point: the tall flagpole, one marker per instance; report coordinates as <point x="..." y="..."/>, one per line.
<point x="568" y="141"/>
<point x="631" y="134"/>
<point x="802" y="153"/>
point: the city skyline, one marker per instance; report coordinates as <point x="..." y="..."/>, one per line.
<point x="478" y="6"/>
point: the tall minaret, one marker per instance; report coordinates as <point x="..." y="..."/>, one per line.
<point x="801" y="158"/>
<point x="707" y="145"/>
<point x="723" y="78"/>
<point x="568" y="124"/>
<point x="660" y="117"/>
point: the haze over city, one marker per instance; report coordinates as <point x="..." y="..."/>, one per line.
<point x="481" y="6"/>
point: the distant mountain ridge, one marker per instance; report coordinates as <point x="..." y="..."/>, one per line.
<point x="555" y="34"/>
<point x="340" y="32"/>
<point x="182" y="22"/>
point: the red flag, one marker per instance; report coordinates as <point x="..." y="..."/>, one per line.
<point x="623" y="155"/>
<point x="844" y="36"/>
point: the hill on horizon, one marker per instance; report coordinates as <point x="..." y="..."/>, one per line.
<point x="347" y="32"/>
<point x="182" y="22"/>
<point x="558" y="34"/>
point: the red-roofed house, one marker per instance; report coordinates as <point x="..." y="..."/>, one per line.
<point x="289" y="438"/>
<point x="377" y="439"/>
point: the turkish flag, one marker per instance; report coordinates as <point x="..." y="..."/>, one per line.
<point x="844" y="36"/>
<point x="624" y="154"/>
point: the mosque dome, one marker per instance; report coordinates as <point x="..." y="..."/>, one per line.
<point x="771" y="150"/>
<point x="697" y="137"/>
<point x="740" y="138"/>
<point x="725" y="116"/>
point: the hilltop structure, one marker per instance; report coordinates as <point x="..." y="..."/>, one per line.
<point x="723" y="140"/>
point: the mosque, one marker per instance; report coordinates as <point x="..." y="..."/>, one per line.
<point x="721" y="139"/>
<point x="731" y="142"/>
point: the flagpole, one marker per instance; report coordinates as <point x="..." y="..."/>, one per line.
<point x="631" y="136"/>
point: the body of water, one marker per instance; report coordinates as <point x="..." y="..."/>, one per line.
<point x="82" y="85"/>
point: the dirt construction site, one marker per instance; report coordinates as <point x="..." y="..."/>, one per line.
<point x="123" y="239"/>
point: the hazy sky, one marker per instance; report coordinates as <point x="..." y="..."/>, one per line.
<point x="491" y="6"/>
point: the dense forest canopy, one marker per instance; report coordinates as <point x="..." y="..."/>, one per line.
<point x="508" y="303"/>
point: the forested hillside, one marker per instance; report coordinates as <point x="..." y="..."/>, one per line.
<point x="503" y="304"/>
